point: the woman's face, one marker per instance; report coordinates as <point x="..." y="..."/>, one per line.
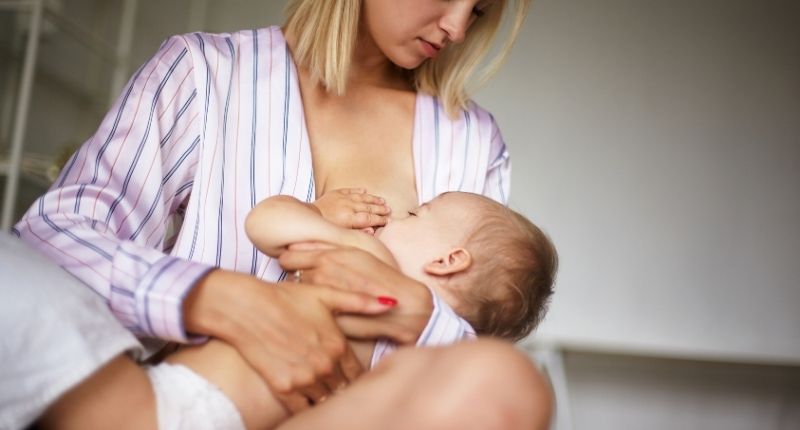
<point x="409" y="32"/>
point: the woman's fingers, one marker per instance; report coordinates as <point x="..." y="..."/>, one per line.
<point x="316" y="393"/>
<point x="336" y="381"/>
<point x="355" y="303"/>
<point x="319" y="269"/>
<point x="294" y="402"/>
<point x="370" y="328"/>
<point x="345" y="269"/>
<point x="350" y="366"/>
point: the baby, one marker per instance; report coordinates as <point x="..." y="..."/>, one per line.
<point x="491" y="265"/>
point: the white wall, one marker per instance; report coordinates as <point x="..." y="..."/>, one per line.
<point x="659" y="144"/>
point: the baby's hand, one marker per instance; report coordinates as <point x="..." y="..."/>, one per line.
<point x="353" y="208"/>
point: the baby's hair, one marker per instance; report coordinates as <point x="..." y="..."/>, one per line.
<point x="513" y="271"/>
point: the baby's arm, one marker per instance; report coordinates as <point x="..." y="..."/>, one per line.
<point x="280" y="221"/>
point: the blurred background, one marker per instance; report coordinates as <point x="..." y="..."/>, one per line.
<point x="657" y="142"/>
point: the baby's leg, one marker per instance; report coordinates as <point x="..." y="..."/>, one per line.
<point x="223" y="366"/>
<point x="122" y="392"/>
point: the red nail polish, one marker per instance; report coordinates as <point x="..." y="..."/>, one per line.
<point x="388" y="301"/>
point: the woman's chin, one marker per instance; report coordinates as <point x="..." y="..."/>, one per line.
<point x="408" y="62"/>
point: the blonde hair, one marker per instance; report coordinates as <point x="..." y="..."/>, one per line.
<point x="326" y="34"/>
<point x="508" y="287"/>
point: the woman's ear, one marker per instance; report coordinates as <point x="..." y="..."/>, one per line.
<point x="457" y="260"/>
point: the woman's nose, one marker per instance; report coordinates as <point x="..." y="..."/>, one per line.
<point x="456" y="21"/>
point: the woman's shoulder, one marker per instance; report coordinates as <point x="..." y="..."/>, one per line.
<point x="229" y="44"/>
<point x="472" y="116"/>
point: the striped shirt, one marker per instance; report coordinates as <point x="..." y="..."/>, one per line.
<point x="208" y="127"/>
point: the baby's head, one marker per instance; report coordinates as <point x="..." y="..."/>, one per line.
<point x="493" y="266"/>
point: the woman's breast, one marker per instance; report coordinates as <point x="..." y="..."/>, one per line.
<point x="382" y="172"/>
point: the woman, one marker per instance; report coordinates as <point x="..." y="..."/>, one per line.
<point x="215" y="123"/>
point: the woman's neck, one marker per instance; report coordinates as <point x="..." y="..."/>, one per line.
<point x="369" y="67"/>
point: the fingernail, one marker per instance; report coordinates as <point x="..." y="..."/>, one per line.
<point x="388" y="301"/>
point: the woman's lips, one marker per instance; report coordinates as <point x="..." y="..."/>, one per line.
<point x="430" y="49"/>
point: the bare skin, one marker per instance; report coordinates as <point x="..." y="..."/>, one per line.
<point x="413" y="388"/>
<point x="363" y="136"/>
<point x="221" y="365"/>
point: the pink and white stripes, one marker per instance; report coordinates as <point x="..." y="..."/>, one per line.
<point x="207" y="128"/>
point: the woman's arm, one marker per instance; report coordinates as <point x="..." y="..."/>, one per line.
<point x="105" y="217"/>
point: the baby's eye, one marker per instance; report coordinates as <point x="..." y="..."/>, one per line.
<point x="411" y="213"/>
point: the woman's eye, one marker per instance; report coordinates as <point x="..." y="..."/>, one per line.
<point x="477" y="12"/>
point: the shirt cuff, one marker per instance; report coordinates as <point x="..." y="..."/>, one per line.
<point x="445" y="326"/>
<point x="160" y="296"/>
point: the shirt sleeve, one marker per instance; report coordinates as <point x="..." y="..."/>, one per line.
<point x="444" y="327"/>
<point x="498" y="174"/>
<point x="105" y="218"/>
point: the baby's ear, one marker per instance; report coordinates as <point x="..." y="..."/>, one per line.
<point x="455" y="261"/>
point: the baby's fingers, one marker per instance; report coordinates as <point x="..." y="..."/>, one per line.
<point x="371" y="209"/>
<point x="367" y="198"/>
<point x="365" y="219"/>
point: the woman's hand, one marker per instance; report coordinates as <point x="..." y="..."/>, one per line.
<point x="354" y="270"/>
<point x="353" y="208"/>
<point x="286" y="332"/>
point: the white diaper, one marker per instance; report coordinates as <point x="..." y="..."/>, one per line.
<point x="186" y="401"/>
